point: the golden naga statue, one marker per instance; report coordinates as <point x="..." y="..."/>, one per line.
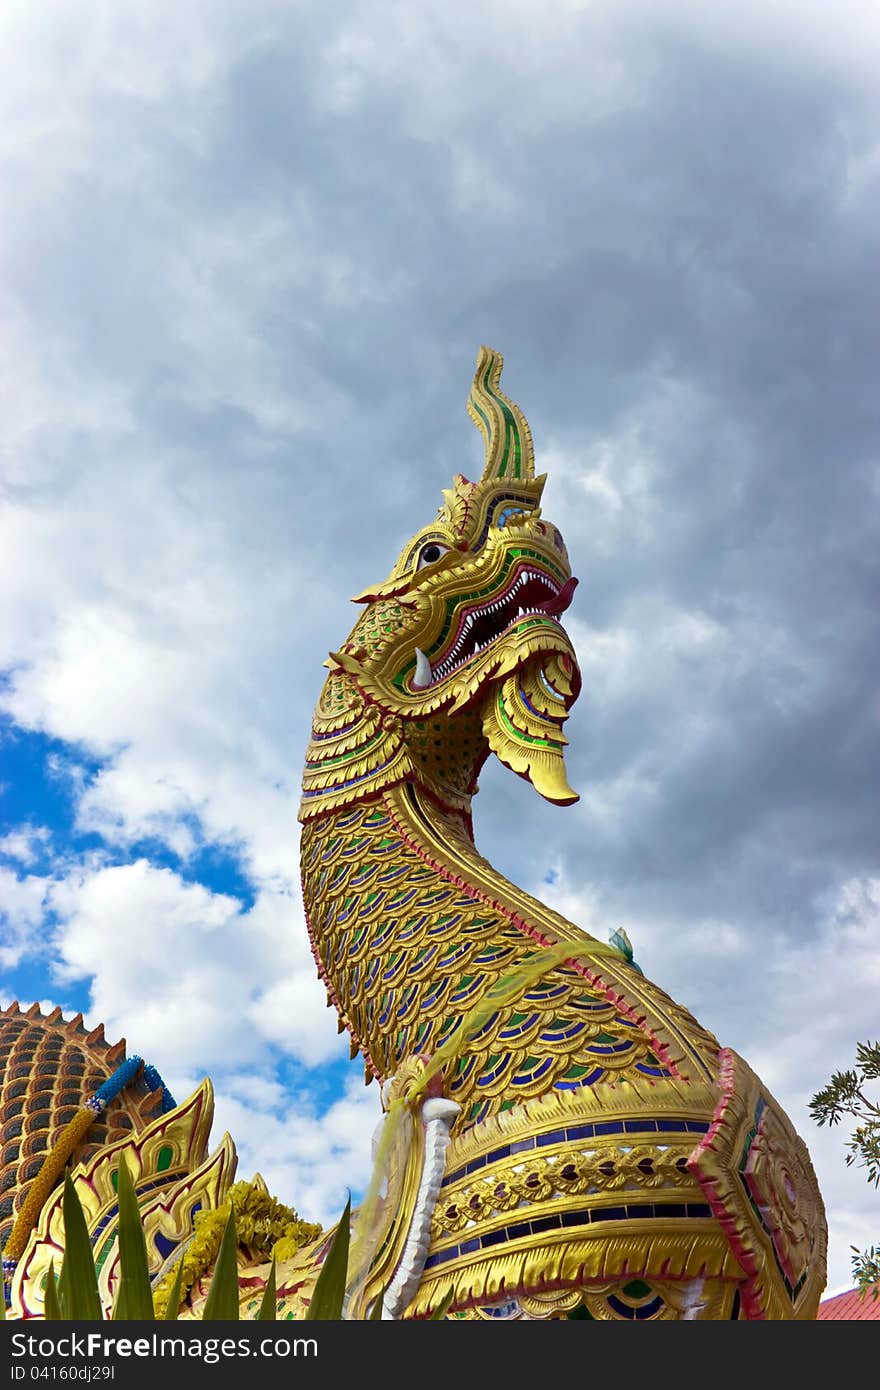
<point x="567" y="1140"/>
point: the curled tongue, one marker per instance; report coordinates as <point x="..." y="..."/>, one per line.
<point x="558" y="604"/>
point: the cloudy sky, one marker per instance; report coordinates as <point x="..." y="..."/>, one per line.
<point x="249" y="251"/>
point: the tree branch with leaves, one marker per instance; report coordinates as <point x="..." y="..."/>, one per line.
<point x="846" y="1095"/>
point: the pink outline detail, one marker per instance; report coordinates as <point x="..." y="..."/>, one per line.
<point x="750" y="1293"/>
<point x="628" y="1010"/>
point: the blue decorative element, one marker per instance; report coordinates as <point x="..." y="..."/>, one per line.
<point x="8" y="1271"/>
<point x="154" y="1081"/>
<point x="122" y="1076"/>
<point x="529" y="505"/>
<point x="524" y="1078"/>
<point x="631" y="1211"/>
<point x="574" y="1133"/>
<point x="165" y="1246"/>
<point x="629" y="1310"/>
<point x="589" y="1080"/>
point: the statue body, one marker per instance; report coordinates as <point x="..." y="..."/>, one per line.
<point x="608" y="1157"/>
<point x="576" y="1144"/>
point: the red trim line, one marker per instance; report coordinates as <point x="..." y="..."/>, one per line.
<point x="661" y="1050"/>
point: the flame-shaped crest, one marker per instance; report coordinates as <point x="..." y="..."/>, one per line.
<point x="506" y="434"/>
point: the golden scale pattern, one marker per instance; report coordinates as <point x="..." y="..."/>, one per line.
<point x="697" y="1045"/>
<point x="409" y="954"/>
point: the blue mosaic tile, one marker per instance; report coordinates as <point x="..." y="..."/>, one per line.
<point x="575" y="1218"/>
<point x="547" y="1223"/>
<point x="493" y="1238"/>
<point x="579" y="1132"/>
<point x="609" y="1214"/>
<point x="554" y="1137"/>
<point x="522" y="1228"/>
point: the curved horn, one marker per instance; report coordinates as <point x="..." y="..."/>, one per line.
<point x="505" y="430"/>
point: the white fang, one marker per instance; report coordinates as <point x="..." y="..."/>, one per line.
<point x="424" y="676"/>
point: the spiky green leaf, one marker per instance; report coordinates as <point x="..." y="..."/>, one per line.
<point x="78" y="1286"/>
<point x="329" y="1294"/>
<point x="221" y="1304"/>
<point x="52" y="1306"/>
<point x="268" y="1311"/>
<point x="172" y="1307"/>
<point x="134" y="1299"/>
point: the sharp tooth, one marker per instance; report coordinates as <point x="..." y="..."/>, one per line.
<point x="424" y="676"/>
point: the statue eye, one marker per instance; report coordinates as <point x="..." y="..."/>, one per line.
<point x="430" y="553"/>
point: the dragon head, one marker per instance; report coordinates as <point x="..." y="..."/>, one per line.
<point x="460" y="650"/>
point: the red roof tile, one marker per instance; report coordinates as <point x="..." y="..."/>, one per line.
<point x="850" y="1306"/>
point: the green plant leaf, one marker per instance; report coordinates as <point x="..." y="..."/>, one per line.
<point x="376" y="1310"/>
<point x="329" y="1294"/>
<point x="134" y="1299"/>
<point x="221" y="1304"/>
<point x="268" y="1312"/>
<point x="51" y="1306"/>
<point x="172" y="1307"/>
<point x="78" y="1286"/>
<point x="443" y="1306"/>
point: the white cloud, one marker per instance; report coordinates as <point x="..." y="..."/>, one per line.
<point x="310" y="1159"/>
<point x="26" y="843"/>
<point x="22" y="902"/>
<point x="183" y="973"/>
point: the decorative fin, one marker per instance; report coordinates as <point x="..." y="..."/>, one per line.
<point x="505" y="430"/>
<point x="621" y="942"/>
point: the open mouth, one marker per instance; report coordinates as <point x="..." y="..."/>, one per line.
<point x="531" y="594"/>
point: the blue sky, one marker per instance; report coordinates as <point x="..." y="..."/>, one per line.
<point x="249" y="252"/>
